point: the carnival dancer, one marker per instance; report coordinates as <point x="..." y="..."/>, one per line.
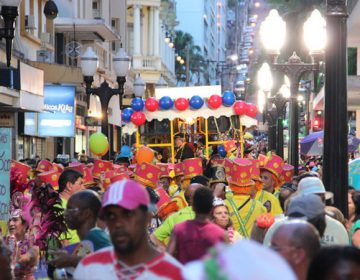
<point x="270" y="202"/>
<point x="183" y="151"/>
<point x="20" y="240"/>
<point x="231" y="149"/>
<point x="243" y="209"/>
<point x="270" y="174"/>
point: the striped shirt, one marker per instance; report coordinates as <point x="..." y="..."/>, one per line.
<point x="104" y="264"/>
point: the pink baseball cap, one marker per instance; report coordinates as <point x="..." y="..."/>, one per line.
<point x="127" y="194"/>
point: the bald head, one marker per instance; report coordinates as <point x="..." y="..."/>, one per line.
<point x="86" y="199"/>
<point x="297" y="241"/>
<point x="190" y="191"/>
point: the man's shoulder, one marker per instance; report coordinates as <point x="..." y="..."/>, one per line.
<point x="166" y="266"/>
<point x="100" y="257"/>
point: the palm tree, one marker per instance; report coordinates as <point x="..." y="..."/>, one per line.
<point x="184" y="45"/>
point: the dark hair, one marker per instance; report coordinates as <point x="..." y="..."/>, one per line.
<point x="68" y="175"/>
<point x="305" y="175"/>
<point x="355" y="196"/>
<point x="203" y="201"/>
<point x="326" y="261"/>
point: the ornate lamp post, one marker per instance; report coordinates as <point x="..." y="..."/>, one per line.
<point x="89" y="64"/>
<point x="335" y="174"/>
<point x="274" y="108"/>
<point x="9" y="12"/>
<point x="272" y="33"/>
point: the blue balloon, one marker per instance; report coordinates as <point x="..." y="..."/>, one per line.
<point x="126" y="114"/>
<point x="228" y="98"/>
<point x="196" y="102"/>
<point x="166" y="103"/>
<point x="137" y="104"/>
<point x="222" y="151"/>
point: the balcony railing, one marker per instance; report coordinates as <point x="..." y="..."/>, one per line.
<point x="147" y="63"/>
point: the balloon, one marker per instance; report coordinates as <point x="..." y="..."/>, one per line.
<point x="138" y="118"/>
<point x="144" y="154"/>
<point x="251" y="110"/>
<point x="214" y="101"/>
<point x="196" y="102"/>
<point x="166" y="103"/>
<point x="99" y="144"/>
<point x="228" y="98"/>
<point x="126" y="114"/>
<point x="151" y="104"/>
<point x="137" y="104"/>
<point x="240" y="107"/>
<point x="181" y="104"/>
<point x="222" y="151"/>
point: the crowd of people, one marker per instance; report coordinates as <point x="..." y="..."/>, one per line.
<point x="223" y="218"/>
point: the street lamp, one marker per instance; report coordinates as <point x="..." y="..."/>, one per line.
<point x="272" y="32"/>
<point x="9" y="12"/>
<point x="139" y="87"/>
<point x="89" y="64"/>
<point x="274" y="108"/>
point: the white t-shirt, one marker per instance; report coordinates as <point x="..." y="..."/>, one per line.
<point x="335" y="233"/>
<point x="103" y="264"/>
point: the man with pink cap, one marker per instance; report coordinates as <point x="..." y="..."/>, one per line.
<point x="125" y="210"/>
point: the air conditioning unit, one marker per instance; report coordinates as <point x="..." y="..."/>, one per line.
<point x="45" y="56"/>
<point x="29" y="22"/>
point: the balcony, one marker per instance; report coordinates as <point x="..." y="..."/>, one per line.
<point x="147" y="63"/>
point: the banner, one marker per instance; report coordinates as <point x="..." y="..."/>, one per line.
<point x="5" y="163"/>
<point x="58" y="120"/>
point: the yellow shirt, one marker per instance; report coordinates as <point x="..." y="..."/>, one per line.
<point x="71" y="236"/>
<point x="180" y="200"/>
<point x="270" y="202"/>
<point x="248" y="213"/>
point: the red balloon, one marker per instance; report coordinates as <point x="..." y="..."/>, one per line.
<point x="251" y="110"/>
<point x="151" y="104"/>
<point x="181" y="104"/>
<point x="138" y="118"/>
<point x="214" y="101"/>
<point x="240" y="107"/>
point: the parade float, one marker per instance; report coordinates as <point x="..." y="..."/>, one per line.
<point x="189" y="110"/>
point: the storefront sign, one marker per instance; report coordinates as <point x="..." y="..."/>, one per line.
<point x="30" y="125"/>
<point x="59" y="118"/>
<point x="5" y="162"/>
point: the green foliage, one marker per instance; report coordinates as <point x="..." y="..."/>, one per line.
<point x="184" y="45"/>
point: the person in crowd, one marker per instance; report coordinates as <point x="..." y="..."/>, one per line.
<point x="308" y="207"/>
<point x="200" y="179"/>
<point x="83" y="157"/>
<point x="261" y="226"/>
<point x="199" y="234"/>
<point x="24" y="252"/>
<point x="336" y="214"/>
<point x="81" y="214"/>
<point x="162" y="234"/>
<point x="286" y="191"/>
<point x="125" y="211"/>
<point x="335" y="232"/>
<point x="183" y="151"/>
<point x="354" y="218"/>
<point x="5" y="261"/>
<point x="335" y="263"/>
<point x="270" y="174"/>
<point x="221" y="217"/>
<point x="298" y="242"/>
<point x="70" y="182"/>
